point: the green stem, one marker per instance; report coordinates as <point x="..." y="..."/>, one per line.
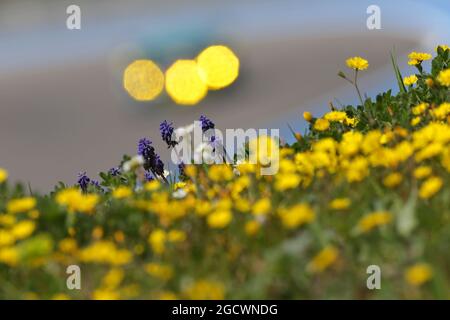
<point x="357" y="89"/>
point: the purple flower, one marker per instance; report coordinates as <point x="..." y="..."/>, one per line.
<point x="148" y="176"/>
<point x="206" y="123"/>
<point x="95" y="183"/>
<point x="114" y="171"/>
<point x="152" y="162"/>
<point x="145" y="148"/>
<point x="166" y="130"/>
<point x="83" y="181"/>
<point x="158" y="166"/>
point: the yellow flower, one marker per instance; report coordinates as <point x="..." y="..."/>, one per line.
<point x="152" y="185"/>
<point x="119" y="236"/>
<point x="357" y="63"/>
<point x="325" y="258"/>
<point x="335" y="116"/>
<point x="21" y="205"/>
<point x="205" y="290"/>
<point x="418" y="57"/>
<point x="3" y="175"/>
<point x="422" y="172"/>
<point x="340" y="203"/>
<point x="444" y="77"/>
<point x="357" y="169"/>
<point x="220" y="172"/>
<point x="105" y="252"/>
<point x="296" y="216"/>
<point x="122" y="192"/>
<point x="68" y="245"/>
<point x="159" y="271"/>
<point x="219" y="219"/>
<point x="6" y="238"/>
<point x="60" y="296"/>
<point x="429" y="82"/>
<point x="97" y="233"/>
<point x="113" y="279"/>
<point x="443" y="47"/>
<point x="176" y="236"/>
<point x="23" y="229"/>
<point x="351" y="142"/>
<point x="190" y="170"/>
<point x="75" y="201"/>
<point x="415" y="121"/>
<point x="157" y="240"/>
<point x="262" y="207"/>
<point x="252" y="227"/>
<point x="34" y="214"/>
<point x="442" y="111"/>
<point x="285" y="181"/>
<point x="420" y="108"/>
<point x="321" y="124"/>
<point x="351" y="122"/>
<point x="246" y="167"/>
<point x="202" y="207"/>
<point x="392" y="180"/>
<point x="409" y="81"/>
<point x="418" y="274"/>
<point x="242" y="204"/>
<point x="373" y="220"/>
<point x="9" y="256"/>
<point x="7" y="219"/>
<point x="307" y="116"/>
<point x="430" y="187"/>
<point x="102" y="294"/>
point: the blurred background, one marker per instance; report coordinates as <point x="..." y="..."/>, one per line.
<point x="63" y="109"/>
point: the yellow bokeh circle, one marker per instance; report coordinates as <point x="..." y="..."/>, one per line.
<point x="143" y="80"/>
<point x="183" y="82"/>
<point x="218" y="66"/>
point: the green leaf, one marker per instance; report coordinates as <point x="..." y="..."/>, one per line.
<point x="398" y="75"/>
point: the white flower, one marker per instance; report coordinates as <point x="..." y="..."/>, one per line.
<point x="179" y="193"/>
<point x="133" y="163"/>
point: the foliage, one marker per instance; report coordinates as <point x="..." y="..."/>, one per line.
<point x="366" y="185"/>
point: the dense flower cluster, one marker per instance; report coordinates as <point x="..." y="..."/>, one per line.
<point x="166" y="130"/>
<point x="152" y="161"/>
<point x="365" y="185"/>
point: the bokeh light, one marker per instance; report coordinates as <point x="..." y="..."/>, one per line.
<point x="218" y="66"/>
<point x="183" y="82"/>
<point x="143" y="80"/>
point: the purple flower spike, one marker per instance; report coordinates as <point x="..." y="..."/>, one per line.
<point x="152" y="161"/>
<point x="83" y="181"/>
<point x="148" y="176"/>
<point x="166" y="130"/>
<point x="114" y="171"/>
<point x="206" y="123"/>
